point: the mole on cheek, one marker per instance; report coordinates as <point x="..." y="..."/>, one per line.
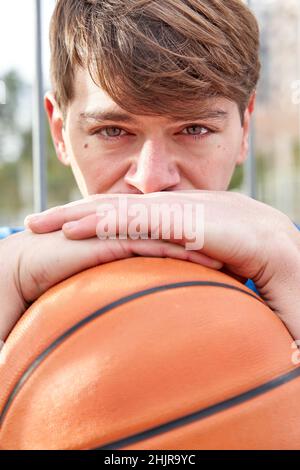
<point x="86" y="146"/>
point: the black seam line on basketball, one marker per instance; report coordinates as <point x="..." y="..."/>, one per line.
<point x="101" y="311"/>
<point x="204" y="413"/>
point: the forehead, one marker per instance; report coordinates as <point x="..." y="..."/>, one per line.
<point x="86" y="92"/>
<point x="91" y="101"/>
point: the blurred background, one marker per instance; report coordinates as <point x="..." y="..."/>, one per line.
<point x="272" y="173"/>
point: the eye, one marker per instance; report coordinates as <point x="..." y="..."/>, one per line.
<point x="112" y="133"/>
<point x="197" y="131"/>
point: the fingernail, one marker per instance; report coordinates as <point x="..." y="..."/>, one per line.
<point x="70" y="225"/>
<point x="30" y="218"/>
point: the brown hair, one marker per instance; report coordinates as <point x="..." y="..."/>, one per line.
<point x="156" y="57"/>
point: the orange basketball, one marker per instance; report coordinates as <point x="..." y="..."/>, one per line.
<point x="149" y="353"/>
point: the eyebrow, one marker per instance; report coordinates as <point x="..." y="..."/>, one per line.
<point x="103" y="116"/>
<point x="118" y="116"/>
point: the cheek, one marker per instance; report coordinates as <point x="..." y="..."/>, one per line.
<point x="224" y="164"/>
<point x="212" y="170"/>
<point x="99" y="171"/>
<point x="228" y="150"/>
<point x="80" y="154"/>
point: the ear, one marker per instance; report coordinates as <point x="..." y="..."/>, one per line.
<point x="56" y="124"/>
<point x="246" y="130"/>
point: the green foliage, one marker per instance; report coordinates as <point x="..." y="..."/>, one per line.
<point x="16" y="178"/>
<point x="296" y="153"/>
<point x="237" y="178"/>
<point x="14" y="86"/>
<point x="11" y="201"/>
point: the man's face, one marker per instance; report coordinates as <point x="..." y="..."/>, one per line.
<point x="142" y="154"/>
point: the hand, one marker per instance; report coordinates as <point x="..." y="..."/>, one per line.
<point x="251" y="239"/>
<point x="32" y="263"/>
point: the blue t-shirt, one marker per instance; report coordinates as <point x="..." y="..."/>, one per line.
<point x="6" y="231"/>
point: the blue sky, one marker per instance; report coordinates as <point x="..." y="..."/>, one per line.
<point x="17" y="36"/>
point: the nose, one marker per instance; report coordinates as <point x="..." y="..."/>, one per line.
<point x="153" y="170"/>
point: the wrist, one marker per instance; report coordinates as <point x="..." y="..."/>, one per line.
<point x="279" y="282"/>
<point x="13" y="303"/>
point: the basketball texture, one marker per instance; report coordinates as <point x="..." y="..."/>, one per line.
<point x="149" y="353"/>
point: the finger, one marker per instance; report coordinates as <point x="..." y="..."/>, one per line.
<point x="53" y="219"/>
<point x="165" y="249"/>
<point x="241" y="279"/>
<point x="59" y="258"/>
<point x="111" y="219"/>
<point x="83" y="228"/>
<point x="68" y="257"/>
<point x="87" y="228"/>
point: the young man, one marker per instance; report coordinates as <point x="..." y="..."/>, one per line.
<point x="153" y="99"/>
